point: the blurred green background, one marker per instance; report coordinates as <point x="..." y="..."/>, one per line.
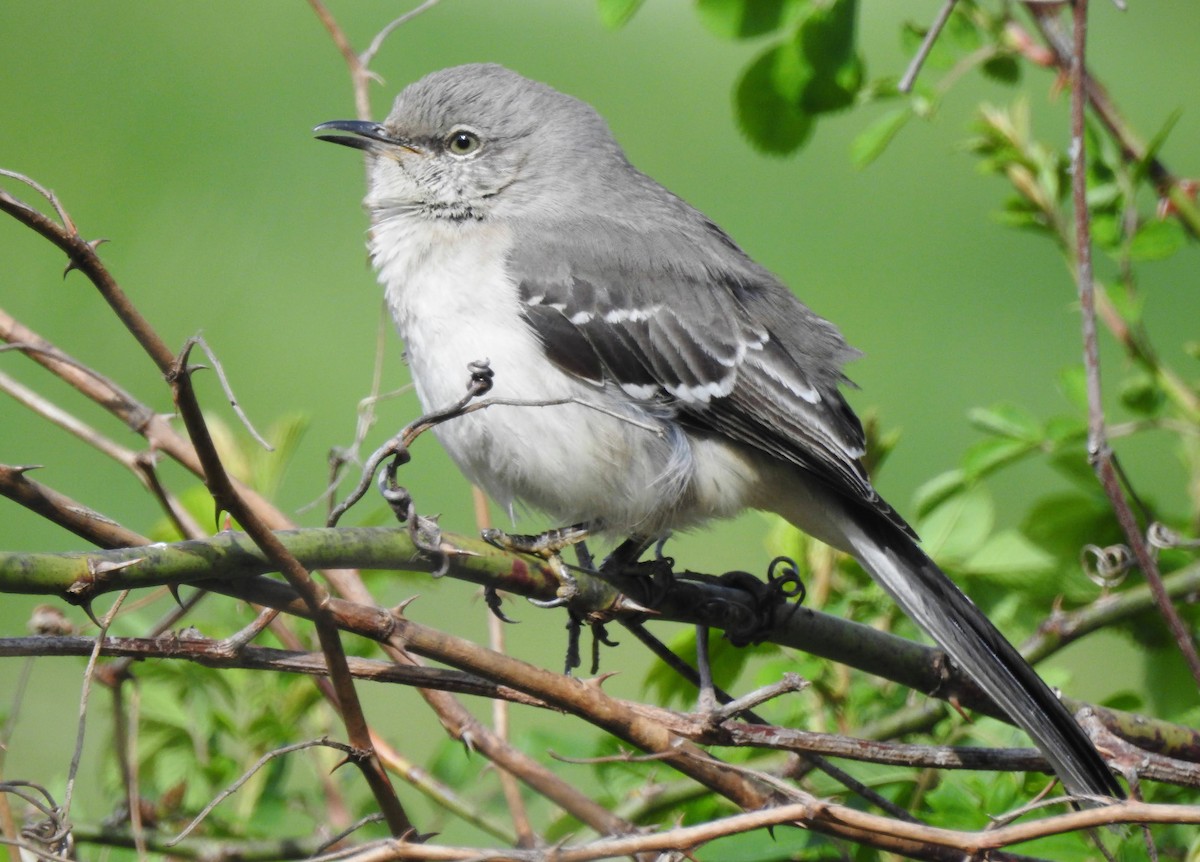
<point x="181" y="133"/>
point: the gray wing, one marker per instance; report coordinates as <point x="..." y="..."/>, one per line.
<point x="704" y="330"/>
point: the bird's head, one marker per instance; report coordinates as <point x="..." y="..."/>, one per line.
<point x="476" y="141"/>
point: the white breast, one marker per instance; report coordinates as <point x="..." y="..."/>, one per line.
<point x="454" y="303"/>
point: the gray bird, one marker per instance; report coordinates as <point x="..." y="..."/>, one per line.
<point x="688" y="382"/>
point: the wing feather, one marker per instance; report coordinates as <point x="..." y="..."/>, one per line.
<point x="730" y="349"/>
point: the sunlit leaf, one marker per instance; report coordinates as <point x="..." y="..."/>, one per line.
<point x="935" y="491"/>
<point x="1156" y="240"/>
<point x="825" y="42"/>
<point x="772" y="123"/>
<point x="870" y="144"/>
<point x="616" y="13"/>
<point x="1008" y="552"/>
<point x="1006" y="420"/>
<point x="987" y="456"/>
<point x="1063" y="430"/>
<point x="958" y="528"/>
<point x="742" y="19"/>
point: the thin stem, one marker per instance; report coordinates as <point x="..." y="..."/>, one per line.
<point x="1098" y="447"/>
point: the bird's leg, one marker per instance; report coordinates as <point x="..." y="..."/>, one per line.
<point x="626" y="554"/>
<point x="649" y="581"/>
<point x="548" y="546"/>
<point x="707" y="702"/>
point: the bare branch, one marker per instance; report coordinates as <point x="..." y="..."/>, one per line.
<point x="315" y="596"/>
<point x="1099" y="451"/>
<point x="914" y="67"/>
<point x="249" y="773"/>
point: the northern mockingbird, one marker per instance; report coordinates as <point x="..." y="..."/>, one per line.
<point x="508" y="225"/>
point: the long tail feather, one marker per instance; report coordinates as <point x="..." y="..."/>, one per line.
<point x="933" y="601"/>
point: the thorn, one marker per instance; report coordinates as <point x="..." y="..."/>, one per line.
<point x="953" y="701"/>
<point x="399" y="609"/>
<point x="623" y="603"/>
<point x="174" y="588"/>
<point x="86" y="605"/>
<point x="467" y="741"/>
<point x="103" y="567"/>
<point x="93" y="244"/>
<point x="597" y="682"/>
<point x="347" y="759"/>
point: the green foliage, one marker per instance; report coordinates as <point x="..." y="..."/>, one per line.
<point x="737" y="19"/>
<point x="202" y="728"/>
<point x="812" y="66"/>
<point x="615" y="13"/>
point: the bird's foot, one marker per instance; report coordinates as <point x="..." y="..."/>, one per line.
<point x="549" y="546"/>
<point x="781" y="586"/>
<point x="646" y="582"/>
<point x="544" y="545"/>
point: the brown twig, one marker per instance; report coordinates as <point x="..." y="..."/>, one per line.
<point x="526" y="837"/>
<point x="315" y="596"/>
<point x="1099" y="451"/>
<point x="82" y="256"/>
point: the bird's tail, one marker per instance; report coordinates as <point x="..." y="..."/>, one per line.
<point x="933" y="601"/>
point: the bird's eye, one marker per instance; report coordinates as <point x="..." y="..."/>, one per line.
<point x="462" y="142"/>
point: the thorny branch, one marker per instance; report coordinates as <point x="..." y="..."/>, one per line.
<point x="82" y="256"/>
<point x="663" y="733"/>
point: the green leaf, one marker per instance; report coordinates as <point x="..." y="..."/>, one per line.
<point x="825" y="42"/>
<point x="616" y="13"/>
<point x="870" y="144"/>
<point x="1142" y="168"/>
<point x="1072" y="380"/>
<point x="1066" y="430"/>
<point x="1128" y="304"/>
<point x="1107" y="231"/>
<point x="1156" y="240"/>
<point x="742" y="19"/>
<point x="772" y="123"/>
<point x="1141" y="394"/>
<point x="938" y="490"/>
<point x="1064" y="523"/>
<point x="959" y="527"/>
<point x="1003" y="68"/>
<point x="1009" y="552"/>
<point x="1006" y="420"/>
<point x="988" y="456"/>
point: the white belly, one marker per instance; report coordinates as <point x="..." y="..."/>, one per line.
<point x="454" y="304"/>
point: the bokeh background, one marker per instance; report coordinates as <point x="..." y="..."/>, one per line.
<point x="181" y="133"/>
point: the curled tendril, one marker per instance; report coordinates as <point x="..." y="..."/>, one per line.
<point x="1162" y="537"/>
<point x="1111" y="564"/>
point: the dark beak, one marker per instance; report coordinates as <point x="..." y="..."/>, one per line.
<point x="363" y="135"/>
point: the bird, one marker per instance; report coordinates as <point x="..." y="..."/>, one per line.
<point x="676" y="380"/>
